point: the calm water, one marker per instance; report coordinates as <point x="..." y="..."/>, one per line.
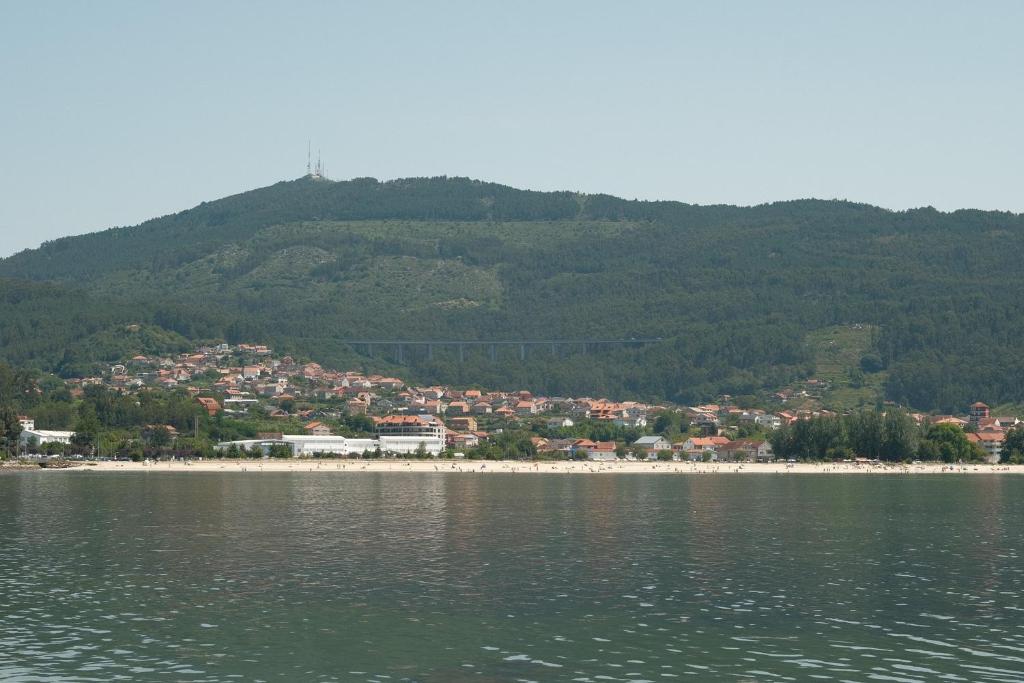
<point x="469" y="577"/>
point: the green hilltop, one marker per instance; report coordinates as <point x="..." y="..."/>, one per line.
<point x="745" y="299"/>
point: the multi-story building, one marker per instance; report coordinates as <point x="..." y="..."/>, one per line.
<point x="979" y="411"/>
<point x="404" y="434"/>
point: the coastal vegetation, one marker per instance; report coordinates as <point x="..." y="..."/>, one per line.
<point x="892" y="437"/>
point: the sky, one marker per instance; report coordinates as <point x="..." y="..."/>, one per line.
<point x="115" y="112"/>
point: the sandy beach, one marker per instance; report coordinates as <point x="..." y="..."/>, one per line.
<point x="546" y="467"/>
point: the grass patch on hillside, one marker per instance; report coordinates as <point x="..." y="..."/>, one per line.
<point x="838" y="351"/>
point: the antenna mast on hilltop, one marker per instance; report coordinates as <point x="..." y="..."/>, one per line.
<point x="315" y="171"/>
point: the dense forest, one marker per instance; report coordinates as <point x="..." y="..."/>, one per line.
<point x="732" y="292"/>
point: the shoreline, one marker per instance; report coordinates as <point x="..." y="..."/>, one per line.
<point x="531" y="467"/>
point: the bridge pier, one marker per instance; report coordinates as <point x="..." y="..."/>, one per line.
<point x="430" y="352"/>
<point x="522" y="352"/>
<point x="493" y="351"/>
<point x="398" y="354"/>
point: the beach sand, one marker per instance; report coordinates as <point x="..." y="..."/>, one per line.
<point x="545" y="467"/>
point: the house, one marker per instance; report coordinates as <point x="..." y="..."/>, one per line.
<point x="708" y="422"/>
<point x="210" y="405"/>
<point x="991" y="441"/>
<point x="270" y="390"/>
<point x="602" y="451"/>
<point x="594" y="450"/>
<point x="463" y="424"/>
<point x="559" y="423"/>
<point x="746" y="450"/>
<point x="632" y="415"/>
<point x="949" y="420"/>
<point x="434" y="393"/>
<point x="697" y="447"/>
<point x="768" y="421"/>
<point x="581" y="446"/>
<point x="526" y="408"/>
<point x="26" y="422"/>
<point x="316" y="428"/>
<point x="251" y="373"/>
<point x="482" y="408"/>
<point x="605" y="410"/>
<point x="357" y="406"/>
<point x="580" y="409"/>
<point x="457" y="408"/>
<point x="699" y="442"/>
<point x="653" y="444"/>
<point x="463" y="440"/>
<point x="150" y="432"/>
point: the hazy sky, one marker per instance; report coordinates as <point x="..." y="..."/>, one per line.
<point x="114" y="112"/>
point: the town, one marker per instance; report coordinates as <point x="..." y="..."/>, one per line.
<point x="281" y="407"/>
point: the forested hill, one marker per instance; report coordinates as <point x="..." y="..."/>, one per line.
<point x="735" y="292"/>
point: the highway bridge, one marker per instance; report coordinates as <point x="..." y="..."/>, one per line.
<point x="401" y="347"/>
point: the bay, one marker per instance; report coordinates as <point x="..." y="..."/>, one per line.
<point x="510" y="577"/>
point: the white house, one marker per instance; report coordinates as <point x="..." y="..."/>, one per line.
<point x="653" y="444"/>
<point x="769" y="421"/>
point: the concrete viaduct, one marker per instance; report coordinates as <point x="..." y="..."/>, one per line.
<point x="399" y="347"/>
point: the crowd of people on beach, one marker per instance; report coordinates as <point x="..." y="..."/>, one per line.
<point x="547" y="467"/>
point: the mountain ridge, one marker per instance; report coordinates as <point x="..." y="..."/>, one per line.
<point x="735" y="291"/>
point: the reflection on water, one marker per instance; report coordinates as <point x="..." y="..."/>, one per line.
<point x="503" y="577"/>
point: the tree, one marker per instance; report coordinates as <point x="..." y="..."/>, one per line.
<point x="665" y="455"/>
<point x="666" y="422"/>
<point x="899" y="439"/>
<point x="10" y="429"/>
<point x="871" y="362"/>
<point x="1013" y="446"/>
<point x="87" y="426"/>
<point x="949" y="443"/>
